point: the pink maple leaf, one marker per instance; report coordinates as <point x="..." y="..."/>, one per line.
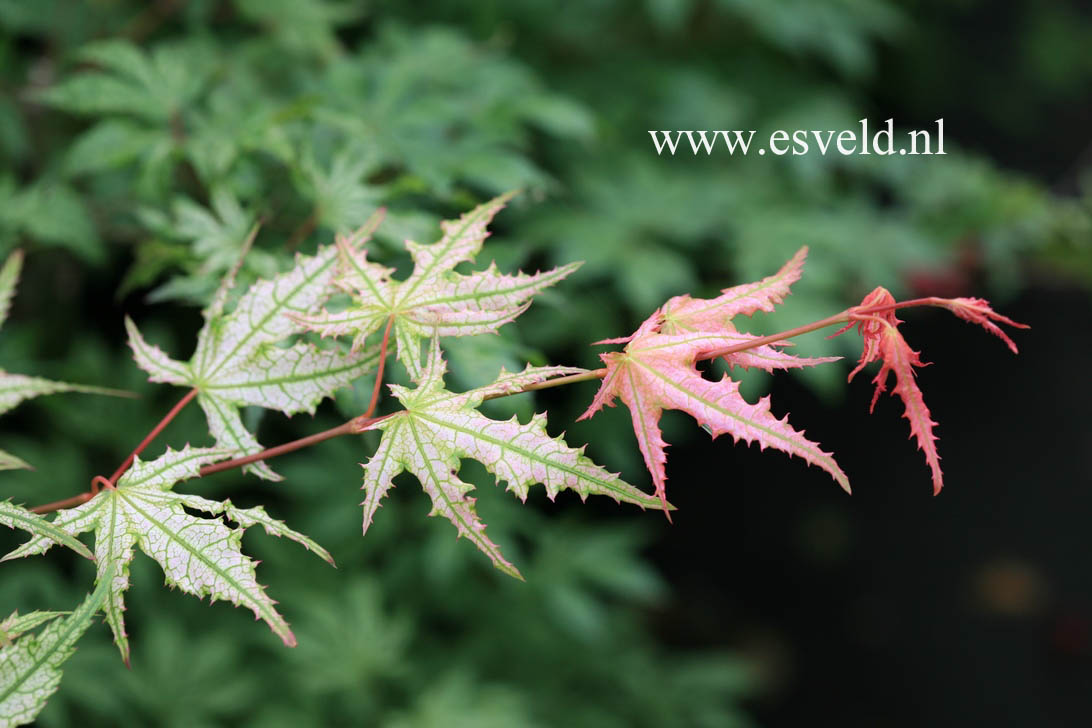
<point x="657" y="371"/>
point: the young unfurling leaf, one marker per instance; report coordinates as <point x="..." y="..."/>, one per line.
<point x="239" y="360"/>
<point x="433" y="300"/>
<point x="201" y="556"/>
<point x="884" y="341"/>
<point x="437" y="428"/>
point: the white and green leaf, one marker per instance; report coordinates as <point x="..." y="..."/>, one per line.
<point x="16" y="624"/>
<point x="200" y="556"/>
<point x="434" y="300"/>
<point x="227" y="429"/>
<point x="438" y="428"/>
<point x="240" y="359"/>
<point x="30" y="667"/>
<point x="14" y="516"/>
<point x="256" y="516"/>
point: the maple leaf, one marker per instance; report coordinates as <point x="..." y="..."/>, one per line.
<point x="978" y="311"/>
<point x="438" y="428"/>
<point x="16" y="624"/>
<point x="882" y="340"/>
<point x="14" y="516"/>
<point x="685" y="313"/>
<point x="434" y="300"/>
<point x="657" y="371"/>
<point x="201" y="556"/>
<point x="239" y="359"/>
<point x="14" y="388"/>
<point x="30" y="666"/>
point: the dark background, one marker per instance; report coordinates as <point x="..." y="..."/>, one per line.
<point x="773" y="598"/>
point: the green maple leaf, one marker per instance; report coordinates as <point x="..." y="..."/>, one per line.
<point x="200" y="556"/>
<point x="438" y="428"/>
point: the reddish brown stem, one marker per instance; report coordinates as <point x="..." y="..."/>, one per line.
<point x="152" y="435"/>
<point x="352" y="427"/>
<point x="75" y="500"/>
<point x="838" y="318"/>
<point x="359" y="424"/>
<point x="379" y="373"/>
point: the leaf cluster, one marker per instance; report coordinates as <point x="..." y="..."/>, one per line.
<point x="152" y="138"/>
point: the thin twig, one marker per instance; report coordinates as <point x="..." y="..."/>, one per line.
<point x="840" y="318"/>
<point x="152" y="435"/>
<point x="849" y="314"/>
<point x="75" y="500"/>
<point x="365" y="421"/>
<point x="345" y="428"/>
<point x="379" y="373"/>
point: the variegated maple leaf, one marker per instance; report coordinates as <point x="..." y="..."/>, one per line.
<point x="884" y="341"/>
<point x="657" y="371"/>
<point x="438" y="428"/>
<point x="684" y="313"/>
<point x="30" y="665"/>
<point x="14" y="516"/>
<point x="240" y="359"/>
<point x="14" y="388"/>
<point x="201" y="556"/>
<point x="434" y="300"/>
<point x="16" y="624"/>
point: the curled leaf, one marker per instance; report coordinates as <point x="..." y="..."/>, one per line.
<point x="879" y="328"/>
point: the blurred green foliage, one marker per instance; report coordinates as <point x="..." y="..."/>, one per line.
<point x="145" y="139"/>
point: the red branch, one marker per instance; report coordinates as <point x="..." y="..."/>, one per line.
<point x="152" y="435"/>
<point x="72" y="502"/>
<point x="379" y="374"/>
<point x="363" y="422"/>
<point x="346" y="428"/>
